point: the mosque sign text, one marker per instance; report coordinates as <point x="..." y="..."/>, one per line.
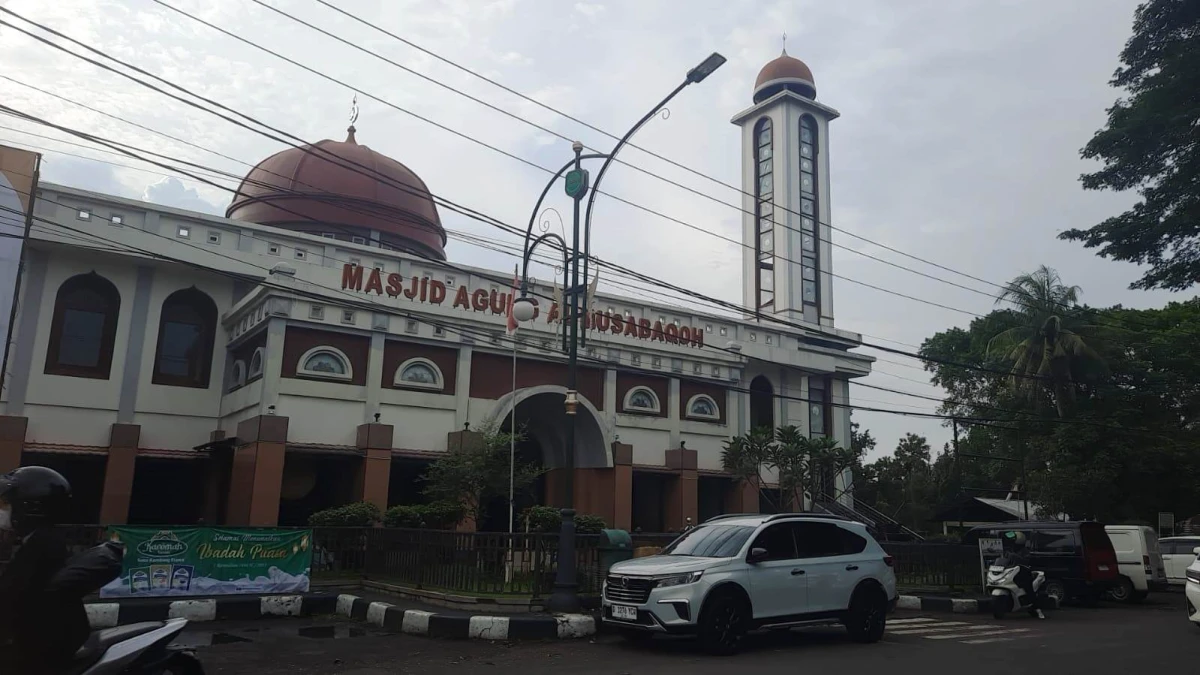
<point x="434" y="292"/>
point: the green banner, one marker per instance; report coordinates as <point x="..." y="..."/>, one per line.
<point x="182" y="561"/>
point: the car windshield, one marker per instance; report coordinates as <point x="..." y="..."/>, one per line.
<point x="711" y="541"/>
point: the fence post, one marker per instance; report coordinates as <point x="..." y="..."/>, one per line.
<point x="420" y="557"/>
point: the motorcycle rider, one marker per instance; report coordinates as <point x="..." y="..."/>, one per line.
<point x="1018" y="556"/>
<point x="39" y="630"/>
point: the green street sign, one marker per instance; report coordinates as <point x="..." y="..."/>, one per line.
<point x="577" y="183"/>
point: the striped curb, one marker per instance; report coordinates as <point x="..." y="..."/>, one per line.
<point x="955" y="605"/>
<point x="464" y="626"/>
<point x="123" y="612"/>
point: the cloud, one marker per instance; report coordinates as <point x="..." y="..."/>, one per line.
<point x="589" y="9"/>
<point x="171" y="192"/>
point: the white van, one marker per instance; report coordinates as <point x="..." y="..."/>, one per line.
<point x="1177" y="553"/>
<point x="1139" y="561"/>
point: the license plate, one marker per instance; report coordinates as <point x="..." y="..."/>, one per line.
<point x="622" y="613"/>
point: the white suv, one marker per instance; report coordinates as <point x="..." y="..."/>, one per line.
<point x="738" y="572"/>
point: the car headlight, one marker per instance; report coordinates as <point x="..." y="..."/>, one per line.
<point x="679" y="579"/>
<point x="1193" y="575"/>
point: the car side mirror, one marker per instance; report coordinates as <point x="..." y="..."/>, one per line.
<point x="1196" y="551"/>
<point x="757" y="555"/>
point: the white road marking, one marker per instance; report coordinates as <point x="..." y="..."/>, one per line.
<point x="954" y="636"/>
<point x="941" y="629"/>
<point x="1001" y="639"/>
<point x="893" y="622"/>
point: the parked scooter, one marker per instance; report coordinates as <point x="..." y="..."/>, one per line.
<point x="136" y="649"/>
<point x="1006" y="595"/>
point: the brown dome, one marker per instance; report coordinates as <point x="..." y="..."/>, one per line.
<point x="344" y="189"/>
<point x="782" y="73"/>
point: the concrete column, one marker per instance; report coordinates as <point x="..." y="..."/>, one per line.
<point x="25" y="333"/>
<point x="622" y="486"/>
<point x="462" y="389"/>
<point x="465" y="439"/>
<point x="610" y="397"/>
<point x="742" y="497"/>
<point x="272" y="364"/>
<point x="672" y="403"/>
<point x="136" y="346"/>
<point x="682" y="500"/>
<point x="375" y="440"/>
<point x="257" y="475"/>
<point x="119" y="472"/>
<point x="375" y="378"/>
<point x="12" y="441"/>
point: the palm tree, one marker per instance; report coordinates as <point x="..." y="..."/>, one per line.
<point x="1046" y="349"/>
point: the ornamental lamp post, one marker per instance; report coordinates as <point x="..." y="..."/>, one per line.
<point x="577" y="183"/>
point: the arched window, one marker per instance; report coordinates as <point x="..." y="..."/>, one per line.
<point x="329" y="363"/>
<point x="810" y="288"/>
<point x="256" y="363"/>
<point x="762" y="403"/>
<point x="237" y="376"/>
<point x="641" y="400"/>
<point x="764" y="214"/>
<point x="84" y="327"/>
<point x="419" y="373"/>
<point x="186" y="333"/>
<point x="703" y="407"/>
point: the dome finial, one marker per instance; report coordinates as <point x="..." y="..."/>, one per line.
<point x="353" y="118"/>
<point x="784" y="45"/>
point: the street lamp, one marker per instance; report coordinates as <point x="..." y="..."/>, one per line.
<point x="565" y="597"/>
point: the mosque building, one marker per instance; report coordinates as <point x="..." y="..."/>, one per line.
<point x="315" y="347"/>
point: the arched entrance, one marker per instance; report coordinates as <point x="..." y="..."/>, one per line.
<point x="762" y="403"/>
<point x="541" y="417"/>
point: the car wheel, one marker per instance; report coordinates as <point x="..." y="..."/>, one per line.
<point x="1055" y="590"/>
<point x="867" y="616"/>
<point x="632" y="635"/>
<point x="1123" y="591"/>
<point x="723" y="623"/>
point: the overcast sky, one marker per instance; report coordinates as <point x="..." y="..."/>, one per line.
<point x="958" y="141"/>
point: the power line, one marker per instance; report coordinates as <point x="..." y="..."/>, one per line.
<point x="1003" y="287"/>
<point x="486" y="335"/>
<point x="473" y="214"/>
<point x="535" y="165"/>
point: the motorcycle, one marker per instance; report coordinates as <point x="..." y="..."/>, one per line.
<point x="136" y="649"/>
<point x="1006" y="595"/>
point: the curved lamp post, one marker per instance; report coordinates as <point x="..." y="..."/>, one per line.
<point x="565" y="597"/>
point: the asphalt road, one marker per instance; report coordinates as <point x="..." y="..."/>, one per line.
<point x="1152" y="638"/>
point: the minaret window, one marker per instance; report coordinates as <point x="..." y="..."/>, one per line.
<point x="764" y="240"/>
<point x="810" y="283"/>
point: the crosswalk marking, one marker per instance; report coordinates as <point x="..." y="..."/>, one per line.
<point x="964" y="632"/>
<point x="999" y="639"/>
<point x="896" y="622"/>
<point x="971" y="635"/>
<point x="940" y="629"/>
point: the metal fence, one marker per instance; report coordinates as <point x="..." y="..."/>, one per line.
<point x="470" y="563"/>
<point x="933" y="565"/>
<point x="478" y="563"/>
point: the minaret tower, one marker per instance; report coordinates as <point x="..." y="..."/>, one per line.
<point x="785" y="175"/>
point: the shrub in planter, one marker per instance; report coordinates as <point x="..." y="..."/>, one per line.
<point x="548" y="519"/>
<point x="359" y="514"/>
<point x="435" y="516"/>
<point x="585" y="524"/>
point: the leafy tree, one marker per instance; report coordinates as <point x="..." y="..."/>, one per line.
<point x="477" y="473"/>
<point x="861" y="442"/>
<point x="358" y="514"/>
<point x="1045" y="353"/>
<point x="798" y="461"/>
<point x="1128" y="451"/>
<point x="1150" y="144"/>
<point x="744" y="457"/>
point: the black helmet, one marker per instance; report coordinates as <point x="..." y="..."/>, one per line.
<point x="39" y="497"/>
